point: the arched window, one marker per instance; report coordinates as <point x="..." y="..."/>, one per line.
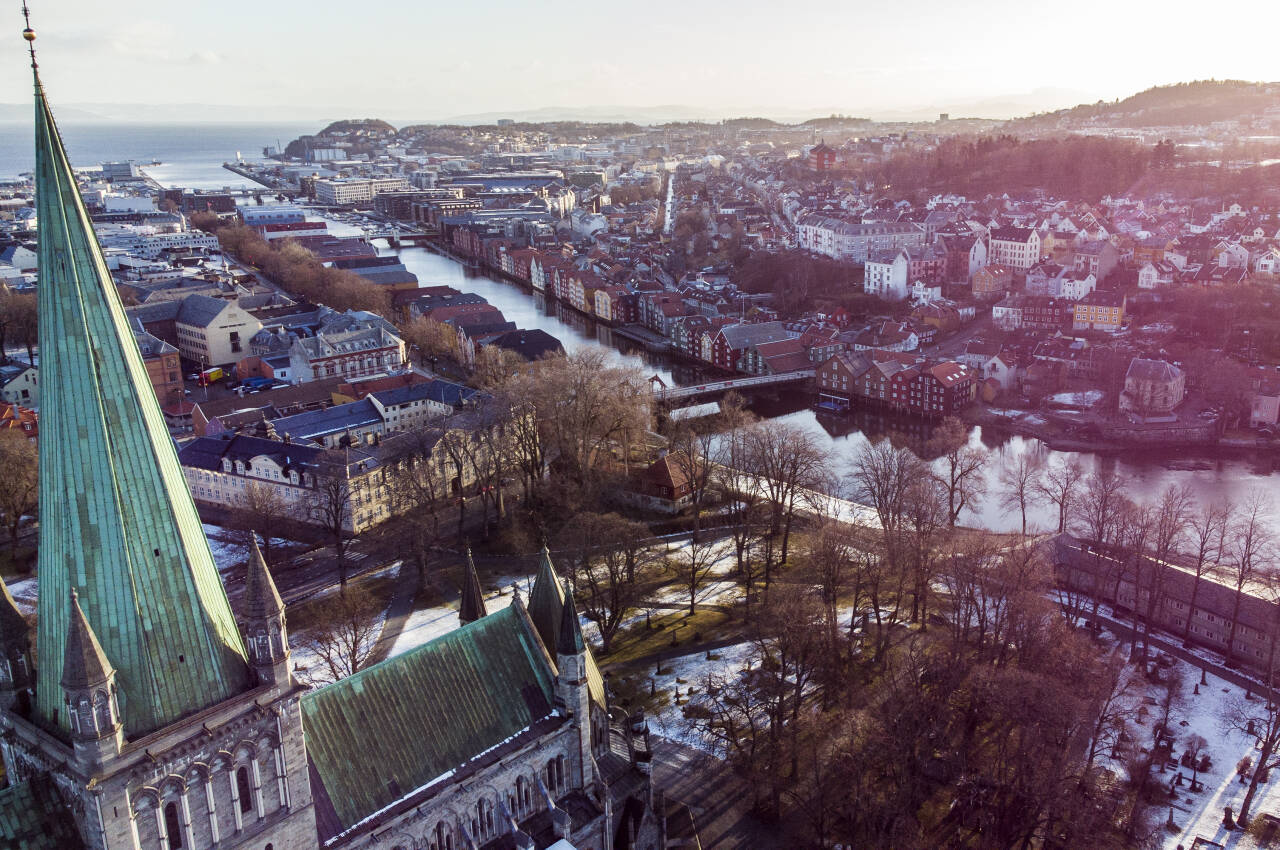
<point x="173" y="826"/>
<point x="102" y="710"/>
<point x="244" y="790"/>
<point x="522" y="794"/>
<point x="555" y="775"/>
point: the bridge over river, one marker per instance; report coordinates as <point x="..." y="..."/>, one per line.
<point x="672" y="395"/>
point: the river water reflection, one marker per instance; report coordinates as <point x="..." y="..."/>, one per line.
<point x="1223" y="476"/>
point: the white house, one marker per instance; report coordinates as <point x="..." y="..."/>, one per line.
<point x="1156" y="275"/>
<point x="886" y="276"/>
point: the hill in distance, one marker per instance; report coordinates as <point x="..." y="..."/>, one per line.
<point x="1183" y="104"/>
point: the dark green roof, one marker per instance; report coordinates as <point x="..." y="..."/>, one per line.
<point x="546" y="609"/>
<point x="569" y="640"/>
<point x="120" y="525"/>
<point x="32" y="817"/>
<point x="471" y="607"/>
<point x="395" y="727"/>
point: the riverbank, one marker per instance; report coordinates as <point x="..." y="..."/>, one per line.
<point x="638" y="334"/>
<point x="1053" y="434"/>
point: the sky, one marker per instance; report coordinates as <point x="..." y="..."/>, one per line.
<point x="437" y="60"/>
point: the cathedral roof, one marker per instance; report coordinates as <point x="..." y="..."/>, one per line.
<point x="33" y="817"/>
<point x="396" y="727"/>
<point x="126" y="534"/>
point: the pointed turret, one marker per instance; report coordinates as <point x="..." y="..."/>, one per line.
<point x="546" y="601"/>
<point x="125" y="532"/>
<point x="471" y="608"/>
<point x="85" y="666"/>
<point x="89" y="691"/>
<point x="15" y="655"/>
<point x="573" y="691"/>
<point x="569" y="640"/>
<point x="263" y="623"/>
<point x="261" y="599"/>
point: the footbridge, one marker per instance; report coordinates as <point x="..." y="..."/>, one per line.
<point x="673" y="395"/>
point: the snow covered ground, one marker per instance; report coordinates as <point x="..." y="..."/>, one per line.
<point x="1200" y="815"/>
<point x="683" y="674"/>
<point x="24" y="593"/>
<point x="228" y="548"/>
<point x="719" y="589"/>
<point x="1087" y="398"/>
<point x="428" y="624"/>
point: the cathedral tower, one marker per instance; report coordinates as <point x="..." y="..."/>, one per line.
<point x="150" y="726"/>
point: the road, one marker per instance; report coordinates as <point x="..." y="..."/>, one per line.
<point x="718" y="800"/>
<point x="954" y="345"/>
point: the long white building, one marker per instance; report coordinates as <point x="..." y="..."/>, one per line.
<point x="351" y="190"/>
<point x="853" y="241"/>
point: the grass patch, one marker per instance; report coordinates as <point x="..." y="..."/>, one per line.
<point x="669" y="632"/>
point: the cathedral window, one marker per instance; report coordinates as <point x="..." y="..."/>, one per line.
<point x="173" y="826"/>
<point x="442" y="837"/>
<point x="102" y="710"/>
<point x="555" y="775"/>
<point x="244" y="790"/>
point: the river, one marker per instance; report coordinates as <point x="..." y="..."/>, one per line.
<point x="192" y="157"/>
<point x="1228" y="476"/>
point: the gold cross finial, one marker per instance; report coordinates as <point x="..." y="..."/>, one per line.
<point x="29" y="34"/>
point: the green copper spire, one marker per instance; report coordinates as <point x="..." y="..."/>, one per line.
<point x="118" y="523"/>
<point x="471" y="606"/>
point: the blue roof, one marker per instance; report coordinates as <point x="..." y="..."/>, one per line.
<point x="444" y="392"/>
<point x="331" y="420"/>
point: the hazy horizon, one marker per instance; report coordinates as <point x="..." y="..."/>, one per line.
<point x="412" y="63"/>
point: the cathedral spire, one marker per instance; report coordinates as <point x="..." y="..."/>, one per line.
<point x="546" y="601"/>
<point x="569" y="641"/>
<point x="471" y="608"/>
<point x="85" y="665"/>
<point x="261" y="599"/>
<point x="265" y="632"/>
<point x="121" y="526"/>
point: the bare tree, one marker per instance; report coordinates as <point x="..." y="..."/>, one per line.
<point x="494" y="366"/>
<point x="347" y="630"/>
<point x="20" y="493"/>
<point x="830" y="552"/>
<point x="1252" y="547"/>
<point x="19" y="323"/>
<point x="588" y="410"/>
<point x="959" y="466"/>
<point x="432" y="339"/>
<point x="1060" y="486"/>
<point x="1019" y="479"/>
<point x="266" y="510"/>
<point x="699" y="449"/>
<point x="418" y="488"/>
<point x="744" y="500"/>
<point x="609" y="583"/>
<point x="1112" y="711"/>
<point x="328" y="505"/>
<point x="1098" y="514"/>
<point x="788" y="464"/>
<point x="691" y="565"/>
<point x="1169" y="520"/>
<point x="1208" y="528"/>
